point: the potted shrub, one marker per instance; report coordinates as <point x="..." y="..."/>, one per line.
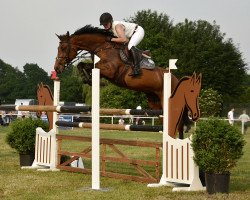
<point x="217" y="147"/>
<point x="21" y="137"/>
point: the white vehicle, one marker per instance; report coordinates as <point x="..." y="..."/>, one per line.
<point x="25" y="102"/>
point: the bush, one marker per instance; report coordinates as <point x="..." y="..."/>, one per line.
<point x="22" y="134"/>
<point x="217" y="145"/>
<point x="210" y="102"/>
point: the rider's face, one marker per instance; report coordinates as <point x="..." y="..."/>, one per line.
<point x="107" y="26"/>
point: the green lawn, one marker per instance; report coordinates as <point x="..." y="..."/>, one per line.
<point x="28" y="184"/>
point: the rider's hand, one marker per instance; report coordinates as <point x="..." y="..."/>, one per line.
<point x="108" y="39"/>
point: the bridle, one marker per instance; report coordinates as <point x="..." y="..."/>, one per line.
<point x="66" y="58"/>
<point x="77" y="57"/>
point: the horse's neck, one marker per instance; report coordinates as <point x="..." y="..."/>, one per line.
<point x="88" y="42"/>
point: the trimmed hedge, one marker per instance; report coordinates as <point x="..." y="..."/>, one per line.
<point x="217" y="145"/>
<point x="22" y="134"/>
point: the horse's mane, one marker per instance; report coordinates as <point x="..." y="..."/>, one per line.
<point x="90" y="29"/>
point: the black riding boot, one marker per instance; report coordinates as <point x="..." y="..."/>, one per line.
<point x="136" y="70"/>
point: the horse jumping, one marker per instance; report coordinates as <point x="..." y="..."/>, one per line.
<point x="112" y="67"/>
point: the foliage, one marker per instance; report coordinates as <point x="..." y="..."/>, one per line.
<point x="199" y="46"/>
<point x="11" y="83"/>
<point x="158" y="29"/>
<point x="71" y="86"/>
<point x="114" y="97"/>
<point x="217" y="145"/>
<point x="33" y="76"/>
<point x="210" y="102"/>
<point x="15" y="84"/>
<point x="245" y="95"/>
<point x="87" y="94"/>
<point x="22" y="133"/>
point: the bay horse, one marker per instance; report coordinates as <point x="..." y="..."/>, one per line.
<point x="112" y="67"/>
<point x="45" y="97"/>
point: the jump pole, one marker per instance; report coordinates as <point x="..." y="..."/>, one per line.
<point x="55" y="118"/>
<point x="95" y="129"/>
<point x="95" y="126"/>
<point x="166" y="95"/>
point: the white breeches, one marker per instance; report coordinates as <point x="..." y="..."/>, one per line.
<point x="136" y="37"/>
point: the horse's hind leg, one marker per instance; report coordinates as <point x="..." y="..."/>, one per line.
<point x="154" y="101"/>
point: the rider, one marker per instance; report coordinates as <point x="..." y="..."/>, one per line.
<point x="125" y="32"/>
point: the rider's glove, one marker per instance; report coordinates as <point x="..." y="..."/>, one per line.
<point x="108" y="39"/>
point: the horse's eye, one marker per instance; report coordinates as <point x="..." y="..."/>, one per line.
<point x="192" y="91"/>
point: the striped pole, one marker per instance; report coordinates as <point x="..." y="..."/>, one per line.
<point x="128" y="127"/>
<point x="34" y="108"/>
<point x="78" y="109"/>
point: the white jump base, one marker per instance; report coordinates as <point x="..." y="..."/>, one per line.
<point x="178" y="166"/>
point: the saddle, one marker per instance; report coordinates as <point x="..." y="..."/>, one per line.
<point x="144" y="58"/>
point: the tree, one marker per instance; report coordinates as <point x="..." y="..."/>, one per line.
<point x="113" y="96"/>
<point x="199" y="46"/>
<point x="11" y="83"/>
<point x="210" y="102"/>
<point x="158" y="29"/>
<point x="71" y="86"/>
<point x="33" y="76"/>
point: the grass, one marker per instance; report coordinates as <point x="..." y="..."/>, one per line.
<point x="29" y="184"/>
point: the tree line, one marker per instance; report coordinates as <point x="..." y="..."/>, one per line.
<point x="198" y="45"/>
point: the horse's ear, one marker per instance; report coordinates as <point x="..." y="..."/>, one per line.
<point x="67" y="33"/>
<point x="60" y="37"/>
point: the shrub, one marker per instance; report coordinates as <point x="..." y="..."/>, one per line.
<point x="217" y="145"/>
<point x="22" y="134"/>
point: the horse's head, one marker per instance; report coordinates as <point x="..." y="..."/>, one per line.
<point x="193" y="87"/>
<point x="89" y="38"/>
<point x="66" y="53"/>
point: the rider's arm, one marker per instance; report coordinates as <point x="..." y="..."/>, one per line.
<point x="120" y="30"/>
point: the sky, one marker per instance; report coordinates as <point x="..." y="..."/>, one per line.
<point x="28" y="27"/>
